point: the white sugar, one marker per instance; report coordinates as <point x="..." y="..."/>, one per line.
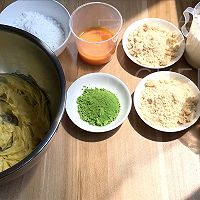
<point x="44" y="27"/>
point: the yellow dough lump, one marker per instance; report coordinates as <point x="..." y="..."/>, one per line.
<point x="24" y="118"/>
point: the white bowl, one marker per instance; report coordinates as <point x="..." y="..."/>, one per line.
<point x="99" y="80"/>
<point x="162" y="23"/>
<point x="165" y="75"/>
<point x="48" y="8"/>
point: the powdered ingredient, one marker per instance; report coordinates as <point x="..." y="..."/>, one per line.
<point x="44" y="27"/>
<point x="153" y="45"/>
<point x="98" y="106"/>
<point x="168" y="103"/>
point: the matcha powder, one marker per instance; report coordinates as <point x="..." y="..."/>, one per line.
<point x="98" y="106"/>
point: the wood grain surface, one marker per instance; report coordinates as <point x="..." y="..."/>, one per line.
<point x="132" y="162"/>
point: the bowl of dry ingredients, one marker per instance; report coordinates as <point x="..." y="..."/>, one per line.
<point x="167" y="101"/>
<point x="98" y="102"/>
<point x="47" y="20"/>
<point x="153" y="43"/>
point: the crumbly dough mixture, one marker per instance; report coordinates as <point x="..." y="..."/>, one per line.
<point x="153" y="45"/>
<point x="168" y="103"/>
<point x="24" y="118"/>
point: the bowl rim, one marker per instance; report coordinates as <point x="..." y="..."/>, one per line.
<point x="67" y="35"/>
<point x="103" y="128"/>
<point x="139" y="23"/>
<point x="155" y="76"/>
<point x="54" y="125"/>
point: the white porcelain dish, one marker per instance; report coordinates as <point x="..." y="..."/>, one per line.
<point x="165" y="75"/>
<point x="162" y="23"/>
<point x="48" y="8"/>
<point x="98" y="80"/>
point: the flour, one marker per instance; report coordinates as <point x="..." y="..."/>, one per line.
<point x="44" y="27"/>
<point x="153" y="45"/>
<point x="168" y="103"/>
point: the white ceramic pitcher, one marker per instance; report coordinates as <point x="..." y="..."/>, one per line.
<point x="192" y="51"/>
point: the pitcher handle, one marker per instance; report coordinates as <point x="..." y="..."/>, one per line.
<point x="186" y="15"/>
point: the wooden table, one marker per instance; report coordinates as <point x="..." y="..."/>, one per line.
<point x="133" y="162"/>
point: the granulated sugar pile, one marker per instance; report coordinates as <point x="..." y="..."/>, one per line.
<point x="45" y="28"/>
<point x="168" y="103"/>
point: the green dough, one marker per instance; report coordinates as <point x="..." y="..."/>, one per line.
<point x="24" y="118"/>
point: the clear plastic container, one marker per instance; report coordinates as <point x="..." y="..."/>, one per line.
<point x="193" y="37"/>
<point x="96" y="14"/>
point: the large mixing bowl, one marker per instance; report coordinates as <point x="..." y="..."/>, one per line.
<point x="20" y="52"/>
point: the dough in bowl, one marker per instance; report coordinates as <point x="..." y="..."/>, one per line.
<point x="24" y="118"/>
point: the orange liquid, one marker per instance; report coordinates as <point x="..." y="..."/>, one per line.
<point x="96" y="53"/>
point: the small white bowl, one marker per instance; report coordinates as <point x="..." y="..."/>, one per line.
<point x="98" y="80"/>
<point x="48" y="8"/>
<point x="161" y="23"/>
<point x="165" y="75"/>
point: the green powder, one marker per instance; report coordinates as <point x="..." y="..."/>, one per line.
<point x="98" y="106"/>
